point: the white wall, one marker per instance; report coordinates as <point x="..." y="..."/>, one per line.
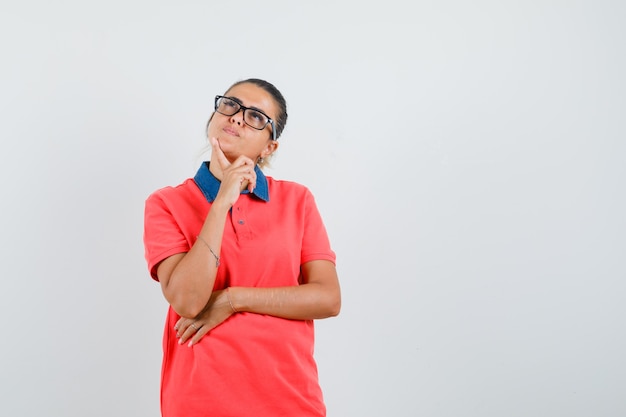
<point x="468" y="159"/>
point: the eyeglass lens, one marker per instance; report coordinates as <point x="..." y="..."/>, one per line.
<point x="253" y="118"/>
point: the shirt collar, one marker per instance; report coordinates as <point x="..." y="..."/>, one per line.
<point x="209" y="185"/>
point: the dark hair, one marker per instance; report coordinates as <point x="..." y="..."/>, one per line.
<point x="278" y="97"/>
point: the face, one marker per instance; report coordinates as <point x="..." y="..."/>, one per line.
<point x="234" y="135"/>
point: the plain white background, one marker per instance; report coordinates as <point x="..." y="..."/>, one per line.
<point x="467" y="157"/>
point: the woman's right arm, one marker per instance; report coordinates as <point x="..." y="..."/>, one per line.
<point x="187" y="278"/>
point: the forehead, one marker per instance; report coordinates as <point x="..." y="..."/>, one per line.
<point x="255" y="97"/>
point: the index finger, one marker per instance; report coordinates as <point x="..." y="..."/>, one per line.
<point x="217" y="152"/>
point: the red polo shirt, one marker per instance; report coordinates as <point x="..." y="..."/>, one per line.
<point x="252" y="364"/>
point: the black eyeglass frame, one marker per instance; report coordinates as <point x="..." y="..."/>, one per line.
<point x="244" y="108"/>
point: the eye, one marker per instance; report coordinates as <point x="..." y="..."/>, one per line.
<point x="257" y="117"/>
<point x="226" y="102"/>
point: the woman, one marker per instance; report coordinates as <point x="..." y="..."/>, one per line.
<point x="245" y="263"/>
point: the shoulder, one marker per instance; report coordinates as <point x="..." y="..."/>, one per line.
<point x="287" y="186"/>
<point x="171" y="194"/>
<point x="290" y="193"/>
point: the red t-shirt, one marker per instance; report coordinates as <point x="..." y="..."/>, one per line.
<point x="252" y="364"/>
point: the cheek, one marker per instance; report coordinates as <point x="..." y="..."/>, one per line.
<point x="215" y="123"/>
<point x="212" y="129"/>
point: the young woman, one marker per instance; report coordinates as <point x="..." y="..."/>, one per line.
<point x="245" y="264"/>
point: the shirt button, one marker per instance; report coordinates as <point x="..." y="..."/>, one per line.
<point x="241" y="222"/>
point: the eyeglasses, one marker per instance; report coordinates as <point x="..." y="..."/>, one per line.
<point x="256" y="119"/>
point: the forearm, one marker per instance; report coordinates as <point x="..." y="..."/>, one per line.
<point x="303" y="302"/>
<point x="191" y="280"/>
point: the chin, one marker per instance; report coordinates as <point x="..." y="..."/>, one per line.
<point x="230" y="155"/>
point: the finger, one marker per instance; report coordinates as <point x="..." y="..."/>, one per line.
<point x="244" y="166"/>
<point x="181" y="325"/>
<point x="244" y="171"/>
<point x="250" y="177"/>
<point x="199" y="335"/>
<point x="189" y="332"/>
<point x="178" y="324"/>
<point x="252" y="183"/>
<point x="243" y="160"/>
<point x="247" y="181"/>
<point x="219" y="154"/>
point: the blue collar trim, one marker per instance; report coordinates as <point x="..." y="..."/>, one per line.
<point x="209" y="185"/>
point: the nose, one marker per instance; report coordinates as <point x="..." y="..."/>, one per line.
<point x="237" y="117"/>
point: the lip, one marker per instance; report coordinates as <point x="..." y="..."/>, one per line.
<point x="231" y="131"/>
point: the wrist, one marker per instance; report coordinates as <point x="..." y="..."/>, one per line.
<point x="231" y="301"/>
<point x="220" y="206"/>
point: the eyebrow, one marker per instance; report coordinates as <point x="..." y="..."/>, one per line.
<point x="251" y="108"/>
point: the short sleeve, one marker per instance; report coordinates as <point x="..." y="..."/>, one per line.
<point x="315" y="242"/>
<point x="163" y="236"/>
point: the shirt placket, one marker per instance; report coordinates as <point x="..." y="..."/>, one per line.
<point x="239" y="216"/>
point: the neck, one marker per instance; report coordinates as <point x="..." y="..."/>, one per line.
<point x="216" y="170"/>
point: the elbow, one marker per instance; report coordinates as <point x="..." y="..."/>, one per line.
<point x="186" y="311"/>
<point x="334" y="312"/>
<point x="188" y="307"/>
<point x="187" y="302"/>
<point x="333" y="306"/>
<point x="336" y="309"/>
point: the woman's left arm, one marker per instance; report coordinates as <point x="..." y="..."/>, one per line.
<point x="318" y="297"/>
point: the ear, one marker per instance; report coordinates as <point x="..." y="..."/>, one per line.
<point x="270" y="148"/>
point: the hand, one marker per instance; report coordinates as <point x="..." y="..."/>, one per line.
<point x="236" y="176"/>
<point x="217" y="310"/>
